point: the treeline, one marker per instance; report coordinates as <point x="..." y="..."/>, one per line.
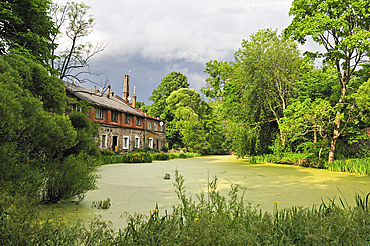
<point x="45" y="155"/>
<point x="272" y="99"/>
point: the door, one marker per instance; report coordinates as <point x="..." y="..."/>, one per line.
<point x="115" y="143"/>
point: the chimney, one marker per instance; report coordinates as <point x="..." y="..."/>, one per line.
<point x="134" y="98"/>
<point x="108" y="91"/>
<point x="126" y="89"/>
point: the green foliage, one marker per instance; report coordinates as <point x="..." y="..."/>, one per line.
<point x="359" y="166"/>
<point x="101" y="204"/>
<point x="34" y="78"/>
<point x="171" y="82"/>
<point x="26" y="29"/>
<point x="138" y="157"/>
<point x="35" y="135"/>
<point x="75" y="24"/>
<point x="343" y="30"/>
<point x="217" y="220"/>
<point x="86" y="131"/>
<point x="69" y="177"/>
<point x="219" y="72"/>
<point x="257" y="90"/>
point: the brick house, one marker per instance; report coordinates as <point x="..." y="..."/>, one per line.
<point x="122" y="125"/>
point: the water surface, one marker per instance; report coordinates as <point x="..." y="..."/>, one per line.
<point x="139" y="187"/>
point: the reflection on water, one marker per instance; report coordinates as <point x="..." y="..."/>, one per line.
<point x="139" y="187"/>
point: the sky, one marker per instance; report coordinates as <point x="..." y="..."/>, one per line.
<point x="148" y="39"/>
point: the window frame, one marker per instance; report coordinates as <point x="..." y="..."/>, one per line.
<point x="150" y="143"/>
<point x="155" y="126"/>
<point x="127" y="118"/>
<point x="112" y="114"/>
<point x="137" y="144"/>
<point x="99" y="109"/>
<point x="149" y="126"/>
<point x="103" y="142"/>
<point x="138" y="120"/>
<point x="124" y="143"/>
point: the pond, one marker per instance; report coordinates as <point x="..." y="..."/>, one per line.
<point x="139" y="187"/>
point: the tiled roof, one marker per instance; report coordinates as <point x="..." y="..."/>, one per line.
<point x="101" y="99"/>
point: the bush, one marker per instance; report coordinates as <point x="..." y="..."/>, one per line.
<point x="72" y="176"/>
<point x="139" y="157"/>
<point x="161" y="156"/>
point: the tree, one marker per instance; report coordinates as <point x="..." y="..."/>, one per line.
<point x="219" y="72"/>
<point x="74" y="24"/>
<point x="34" y="78"/>
<point x="35" y="138"/>
<point x="342" y="28"/>
<point x="26" y="28"/>
<point x="171" y="82"/>
<point x="257" y="89"/>
<point x="194" y="119"/>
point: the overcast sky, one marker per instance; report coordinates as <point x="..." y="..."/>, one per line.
<point x="152" y="38"/>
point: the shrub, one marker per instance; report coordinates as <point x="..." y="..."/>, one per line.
<point x="72" y="176"/>
<point x="161" y="156"/>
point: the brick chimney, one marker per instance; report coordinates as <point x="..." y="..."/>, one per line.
<point x="134" y="98"/>
<point x="126" y="89"/>
<point x="108" y="91"/>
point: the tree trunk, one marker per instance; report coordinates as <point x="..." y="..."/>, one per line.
<point x="335" y="137"/>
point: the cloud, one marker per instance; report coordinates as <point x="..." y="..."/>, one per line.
<point x="166" y="30"/>
<point x="155" y="37"/>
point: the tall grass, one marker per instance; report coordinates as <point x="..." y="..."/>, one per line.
<point x="359" y="166"/>
<point x="212" y="219"/>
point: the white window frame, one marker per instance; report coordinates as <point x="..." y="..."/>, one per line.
<point x="76" y="108"/>
<point x="149" y="125"/>
<point x="137" y="146"/>
<point x="150" y="143"/>
<point x="128" y="142"/>
<point x="103" y="143"/>
<point x="100" y="114"/>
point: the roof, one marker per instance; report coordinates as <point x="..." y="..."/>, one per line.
<point x="101" y="99"/>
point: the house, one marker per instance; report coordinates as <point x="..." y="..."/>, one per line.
<point x="123" y="127"/>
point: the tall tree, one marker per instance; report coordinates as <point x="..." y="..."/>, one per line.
<point x="343" y="29"/>
<point x="257" y="88"/>
<point x="170" y="83"/>
<point x="26" y="28"/>
<point x="74" y="25"/>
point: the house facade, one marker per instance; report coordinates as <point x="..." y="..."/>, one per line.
<point x="123" y="127"/>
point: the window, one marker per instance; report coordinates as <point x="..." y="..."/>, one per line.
<point x="126" y="142"/>
<point x="149" y="125"/>
<point x="155" y="126"/>
<point x="127" y="119"/>
<point x="114" y="116"/>
<point x="138" y="123"/>
<point x="161" y="126"/>
<point x="99" y="113"/>
<point x="103" y="141"/>
<point x="76" y="108"/>
<point x="150" y="143"/>
<point x="137" y="142"/>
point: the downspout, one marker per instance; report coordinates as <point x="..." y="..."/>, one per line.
<point x="145" y="130"/>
